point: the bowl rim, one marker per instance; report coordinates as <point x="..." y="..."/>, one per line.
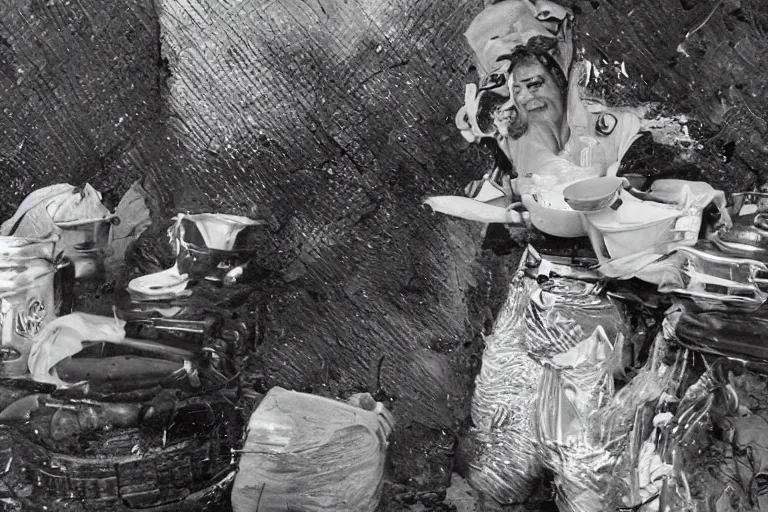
<point x="618" y="181"/>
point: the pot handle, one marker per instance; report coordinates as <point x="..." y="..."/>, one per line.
<point x="63" y="285"/>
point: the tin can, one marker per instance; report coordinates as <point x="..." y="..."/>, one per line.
<point x="30" y="296"/>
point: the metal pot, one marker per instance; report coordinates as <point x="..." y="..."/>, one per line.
<point x="205" y="244"/>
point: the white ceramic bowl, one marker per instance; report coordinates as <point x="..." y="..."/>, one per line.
<point x="564" y="223"/>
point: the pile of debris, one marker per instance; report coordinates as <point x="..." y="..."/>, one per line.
<point x="622" y="392"/>
<point x="138" y="402"/>
<point x="130" y="410"/>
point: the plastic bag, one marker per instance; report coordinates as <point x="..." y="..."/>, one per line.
<point x="309" y="453"/>
<point x="506" y="465"/>
<point x="588" y="433"/>
<point x="535" y="323"/>
<point x="713" y="281"/>
<point x="41" y="210"/>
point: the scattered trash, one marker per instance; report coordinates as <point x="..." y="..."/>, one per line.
<point x="76" y="215"/>
<point x="555" y="394"/>
<point x="102" y="389"/>
<point x="205" y="249"/>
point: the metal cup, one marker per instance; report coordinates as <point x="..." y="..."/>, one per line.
<point x="86" y="243"/>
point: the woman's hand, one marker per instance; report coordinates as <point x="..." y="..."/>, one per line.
<point x="518" y="218"/>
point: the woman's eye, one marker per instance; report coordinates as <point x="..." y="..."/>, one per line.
<point x="536" y="84"/>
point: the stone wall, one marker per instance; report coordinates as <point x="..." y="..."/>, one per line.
<point x="334" y="119"/>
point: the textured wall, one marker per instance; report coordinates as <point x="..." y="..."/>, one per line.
<point x="704" y="59"/>
<point x="332" y="120"/>
<point x="335" y="119"/>
<point x="79" y="84"/>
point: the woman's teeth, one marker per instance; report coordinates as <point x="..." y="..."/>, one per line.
<point x="535" y="105"/>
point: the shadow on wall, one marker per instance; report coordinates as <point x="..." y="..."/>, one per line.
<point x="78" y="88"/>
<point x="332" y="120"/>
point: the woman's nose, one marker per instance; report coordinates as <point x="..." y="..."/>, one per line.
<point x="523" y="95"/>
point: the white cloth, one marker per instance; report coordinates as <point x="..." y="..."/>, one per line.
<point x="161" y="285"/>
<point x="39" y="212"/>
<point x="639" y="234"/>
<point x="64" y="337"/>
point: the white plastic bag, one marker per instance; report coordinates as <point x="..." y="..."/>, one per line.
<point x="64" y="337"/>
<point x="39" y="212"/>
<point x="309" y="453"/>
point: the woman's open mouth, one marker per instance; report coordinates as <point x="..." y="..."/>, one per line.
<point x="535" y="105"/>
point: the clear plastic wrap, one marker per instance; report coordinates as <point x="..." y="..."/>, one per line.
<point x="595" y="441"/>
<point x="537" y="322"/>
<point x="564" y="312"/>
<point x="572" y="385"/>
<point x="505" y="465"/>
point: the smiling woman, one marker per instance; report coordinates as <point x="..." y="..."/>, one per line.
<point x="539" y="94"/>
<point x="524" y="55"/>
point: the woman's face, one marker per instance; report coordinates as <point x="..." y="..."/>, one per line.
<point x="537" y="93"/>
